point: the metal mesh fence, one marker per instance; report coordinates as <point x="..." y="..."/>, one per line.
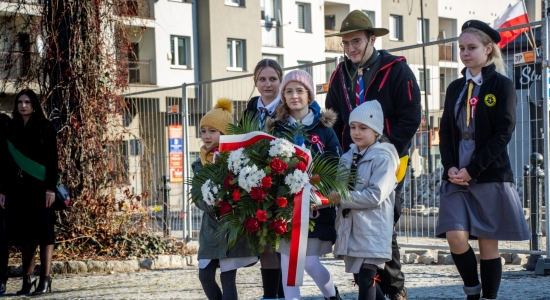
<point x="168" y="129"/>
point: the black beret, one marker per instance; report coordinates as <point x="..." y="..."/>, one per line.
<point x="493" y="34"/>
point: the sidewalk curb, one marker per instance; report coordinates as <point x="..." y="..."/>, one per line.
<point x="112" y="266"/>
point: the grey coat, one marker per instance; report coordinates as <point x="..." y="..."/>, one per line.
<point x="212" y="246"/>
<point x="367" y="230"/>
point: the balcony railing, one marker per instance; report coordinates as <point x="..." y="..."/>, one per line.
<point x="332" y="44"/>
<point x="446" y="52"/>
<point x="139" y="72"/>
<point x="271" y="35"/>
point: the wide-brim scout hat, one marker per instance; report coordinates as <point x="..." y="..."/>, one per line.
<point x="357" y="21"/>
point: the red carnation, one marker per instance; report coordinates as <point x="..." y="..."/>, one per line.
<point x="278" y="166"/>
<point x="225" y="207"/>
<point x="281" y="201"/>
<point x="266" y="182"/>
<point x="236" y="195"/>
<point x="251" y="224"/>
<point x="261" y="215"/>
<point x="278" y="226"/>
<point x="257" y="193"/>
<point x="227" y="181"/>
<point x="300" y="166"/>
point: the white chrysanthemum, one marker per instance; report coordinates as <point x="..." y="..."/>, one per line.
<point x="250" y="177"/>
<point x="296" y="181"/>
<point x="237" y="159"/>
<point x="281" y="147"/>
<point x="209" y="191"/>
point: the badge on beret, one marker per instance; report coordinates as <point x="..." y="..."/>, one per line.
<point x="490" y="100"/>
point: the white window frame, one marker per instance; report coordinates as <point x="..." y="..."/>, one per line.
<point x="276" y="57"/>
<point x="233" y="59"/>
<point x="371" y="15"/>
<point x="175" y="55"/>
<point x="273" y="7"/>
<point x="306" y="9"/>
<point x="419" y="30"/>
<point x="234" y="2"/>
<point x="396" y="28"/>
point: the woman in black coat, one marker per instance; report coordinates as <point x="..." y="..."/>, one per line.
<point x="4" y="253"/>
<point x="29" y="182"/>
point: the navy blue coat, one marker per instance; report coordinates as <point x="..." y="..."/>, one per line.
<point x="321" y="126"/>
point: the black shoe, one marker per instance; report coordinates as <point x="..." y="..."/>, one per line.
<point x="336" y="297"/>
<point x="2" y="288"/>
<point x="403" y="295"/>
<point x="473" y="297"/>
<point x="28" y="282"/>
<point x="44" y="286"/>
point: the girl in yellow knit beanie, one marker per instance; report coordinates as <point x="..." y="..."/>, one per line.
<point x="213" y="252"/>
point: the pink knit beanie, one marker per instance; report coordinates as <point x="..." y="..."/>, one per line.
<point x="302" y="77"/>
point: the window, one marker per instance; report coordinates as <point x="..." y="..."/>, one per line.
<point x="330" y="22"/>
<point x="329" y="69"/>
<point x="421" y="80"/>
<point x="234" y="2"/>
<point x="426" y="31"/>
<point x="269" y="10"/>
<point x="308" y="68"/>
<point x="275" y="57"/>
<point x="235" y="54"/>
<point x="370" y="14"/>
<point x="304" y="17"/>
<point x="396" y="28"/>
<point x="179" y="49"/>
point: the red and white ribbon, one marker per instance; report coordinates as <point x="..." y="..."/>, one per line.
<point x="316" y="140"/>
<point x="300" y="213"/>
<point x="473" y="104"/>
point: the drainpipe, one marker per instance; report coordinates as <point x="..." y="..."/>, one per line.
<point x="195" y="41"/>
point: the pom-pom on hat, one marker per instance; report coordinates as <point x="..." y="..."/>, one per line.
<point x="302" y="77"/>
<point x="493" y="34"/>
<point x="369" y="113"/>
<point x="220" y="116"/>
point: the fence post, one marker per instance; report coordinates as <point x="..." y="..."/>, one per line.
<point x="526" y="187"/>
<point x="413" y="189"/>
<point x="166" y="197"/>
<point x="537" y="191"/>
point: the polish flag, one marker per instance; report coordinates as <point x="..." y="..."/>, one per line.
<point x="512" y="16"/>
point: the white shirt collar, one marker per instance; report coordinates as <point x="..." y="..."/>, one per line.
<point x="271" y="106"/>
<point x="308" y="120"/>
<point x="478" y="79"/>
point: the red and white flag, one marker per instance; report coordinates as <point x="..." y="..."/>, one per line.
<point x="513" y="15"/>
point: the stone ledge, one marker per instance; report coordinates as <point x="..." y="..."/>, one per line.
<point x="112" y="266"/>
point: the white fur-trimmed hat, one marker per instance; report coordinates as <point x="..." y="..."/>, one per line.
<point x="369" y="113"/>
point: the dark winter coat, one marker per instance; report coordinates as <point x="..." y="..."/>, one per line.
<point x="211" y="245"/>
<point x="28" y="219"/>
<point x="4" y="119"/>
<point x="321" y="126"/>
<point x="495" y="121"/>
<point x="393" y="85"/>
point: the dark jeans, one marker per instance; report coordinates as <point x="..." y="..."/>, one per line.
<point x="393" y="280"/>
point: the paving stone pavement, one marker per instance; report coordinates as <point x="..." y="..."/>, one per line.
<point x="422" y="281"/>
